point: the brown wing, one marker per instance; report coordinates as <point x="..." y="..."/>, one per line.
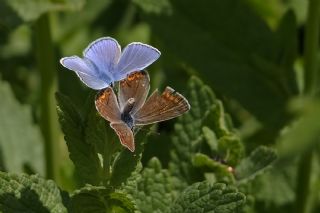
<point x="107" y="105"/>
<point x="125" y="135"/>
<point x="162" y="107"/>
<point x="135" y="86"/>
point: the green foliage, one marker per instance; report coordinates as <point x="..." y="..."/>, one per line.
<point x="188" y="130"/>
<point x="206" y="197"/>
<point x="222" y="172"/>
<point x="155" y="189"/>
<point x="240" y="149"/>
<point x="8" y="19"/>
<point x="33" y="9"/>
<point x="238" y="60"/>
<point x="82" y="153"/>
<point x="127" y="162"/>
<point x="301" y="135"/>
<point x="283" y="181"/>
<point x="100" y="199"/>
<point x="88" y="138"/>
<point x="20" y="140"/>
<point x="256" y="162"/>
<point x="206" y="128"/>
<point x="24" y="193"/>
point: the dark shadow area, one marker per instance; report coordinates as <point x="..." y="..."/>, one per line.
<point x="27" y="203"/>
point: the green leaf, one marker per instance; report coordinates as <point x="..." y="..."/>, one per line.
<point x="21" y="144"/>
<point x="106" y="143"/>
<point x="205" y="128"/>
<point x="218" y="120"/>
<point x="126" y="162"/>
<point x="100" y="199"/>
<point x="155" y="189"/>
<point x="32" y="9"/>
<point x="231" y="148"/>
<point x="221" y="172"/>
<point x="82" y="153"/>
<point x="210" y="138"/>
<point x="188" y="130"/>
<point x="283" y="179"/>
<point x="270" y="12"/>
<point x="206" y="197"/>
<point x="230" y="47"/>
<point x="24" y="193"/>
<point x="256" y="163"/>
<point x="97" y="130"/>
<point x="93" y="138"/>
<point x="303" y="133"/>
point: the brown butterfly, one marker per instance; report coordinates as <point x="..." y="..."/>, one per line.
<point x="131" y="108"/>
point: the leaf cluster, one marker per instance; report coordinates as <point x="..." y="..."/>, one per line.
<point x="250" y="146"/>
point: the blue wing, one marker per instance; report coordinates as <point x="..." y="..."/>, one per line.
<point x="104" y="53"/>
<point x="135" y="57"/>
<point x="86" y="72"/>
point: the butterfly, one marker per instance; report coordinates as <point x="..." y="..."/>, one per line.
<point x="103" y="63"/>
<point x="131" y="108"/>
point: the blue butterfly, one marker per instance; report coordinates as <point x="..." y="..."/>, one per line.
<point x="103" y="63"/>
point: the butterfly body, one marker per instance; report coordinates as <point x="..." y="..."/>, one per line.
<point x="131" y="109"/>
<point x="126" y="116"/>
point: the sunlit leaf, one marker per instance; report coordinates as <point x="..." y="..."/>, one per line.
<point x="23" y="193"/>
<point x="155" y="189"/>
<point x="188" y="129"/>
<point x="206" y="197"/>
<point x="205" y="128"/>
<point x="82" y="153"/>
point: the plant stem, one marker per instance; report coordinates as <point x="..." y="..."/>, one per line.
<point x="46" y="63"/>
<point x="303" y="182"/>
<point x="106" y="162"/>
<point x="109" y="149"/>
<point x="311" y="88"/>
<point x="311" y="48"/>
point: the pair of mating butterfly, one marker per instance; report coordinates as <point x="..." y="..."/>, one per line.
<point x="103" y="64"/>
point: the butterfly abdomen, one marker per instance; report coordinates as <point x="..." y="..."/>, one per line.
<point x="126" y="112"/>
<point x="127" y="118"/>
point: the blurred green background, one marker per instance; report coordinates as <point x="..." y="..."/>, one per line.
<point x="260" y="57"/>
